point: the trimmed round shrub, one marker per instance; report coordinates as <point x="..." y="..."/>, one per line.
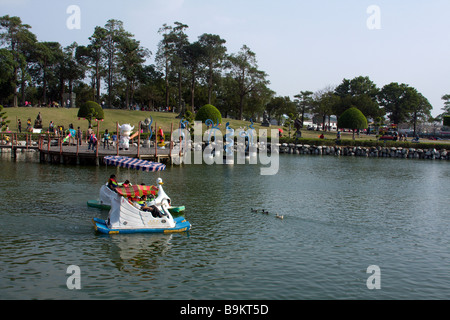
<point x="91" y="110"/>
<point x="208" y="112"/>
<point x="353" y="119"/>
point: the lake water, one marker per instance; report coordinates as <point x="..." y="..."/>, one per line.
<point x="341" y="215"/>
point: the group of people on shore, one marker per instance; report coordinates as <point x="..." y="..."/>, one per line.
<point x="73" y="136"/>
<point x="141" y="203"/>
<point x="92" y="139"/>
<point x="30" y="127"/>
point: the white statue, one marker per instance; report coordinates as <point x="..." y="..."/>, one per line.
<point x="125" y="132"/>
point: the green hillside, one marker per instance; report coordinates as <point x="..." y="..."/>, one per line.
<point x="64" y="117"/>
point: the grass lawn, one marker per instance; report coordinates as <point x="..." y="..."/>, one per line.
<point x="64" y="117"/>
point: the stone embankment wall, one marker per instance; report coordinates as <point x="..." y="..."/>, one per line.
<point x="377" y="152"/>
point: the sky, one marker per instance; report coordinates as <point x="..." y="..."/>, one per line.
<point x="301" y="45"/>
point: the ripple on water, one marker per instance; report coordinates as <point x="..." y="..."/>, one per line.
<point x="340" y="216"/>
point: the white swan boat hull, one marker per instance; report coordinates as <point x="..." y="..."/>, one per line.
<point x="181" y="225"/>
<point x="125" y="216"/>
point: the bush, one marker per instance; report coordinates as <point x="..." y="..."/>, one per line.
<point x="3" y="119"/>
<point x="208" y="112"/>
<point x="366" y="143"/>
<point x="91" y="110"/>
<point x="352" y="119"/>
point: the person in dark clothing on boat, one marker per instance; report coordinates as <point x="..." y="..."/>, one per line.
<point x="153" y="209"/>
<point x="112" y="182"/>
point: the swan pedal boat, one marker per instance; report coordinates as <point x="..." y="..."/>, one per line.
<point x="126" y="217"/>
<point x="105" y="203"/>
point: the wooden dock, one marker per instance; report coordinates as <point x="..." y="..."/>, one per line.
<point x="81" y="155"/>
<point x="57" y="152"/>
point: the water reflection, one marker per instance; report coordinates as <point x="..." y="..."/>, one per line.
<point x="138" y="253"/>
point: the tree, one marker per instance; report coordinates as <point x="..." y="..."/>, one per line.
<point x="359" y="92"/>
<point x="394" y="98"/>
<point x="3" y="119"/>
<point x="446" y="121"/>
<point x="131" y="58"/>
<point x="115" y="34"/>
<point x="244" y="70"/>
<point x="378" y="122"/>
<point x="357" y="86"/>
<point x="194" y="54"/>
<point x="213" y="58"/>
<point x="91" y="110"/>
<point x="446" y="107"/>
<point x="420" y="109"/>
<point x="150" y="90"/>
<point x="83" y="92"/>
<point x="257" y="101"/>
<point x="352" y="119"/>
<point x="15" y="36"/>
<point x="289" y="122"/>
<point x="278" y="106"/>
<point x="324" y="101"/>
<point x="208" y="112"/>
<point x="305" y="103"/>
<point x="7" y="64"/>
<point x="69" y="70"/>
<point x="162" y="58"/>
<point x="404" y="104"/>
<point x="227" y="100"/>
<point x="170" y="54"/>
<point x="189" y="118"/>
<point x="24" y="79"/>
<point x="46" y="58"/>
<point x="93" y="58"/>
